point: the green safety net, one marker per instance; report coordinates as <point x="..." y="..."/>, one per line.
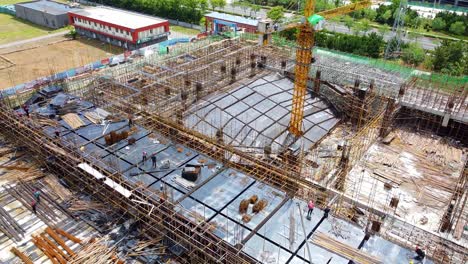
<point x="314" y="19"/>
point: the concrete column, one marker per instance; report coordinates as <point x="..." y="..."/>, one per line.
<point x="317" y="82"/>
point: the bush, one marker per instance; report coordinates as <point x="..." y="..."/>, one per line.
<point x="413" y="54"/>
<point x="370" y="45"/>
<point x="438" y="24"/>
<point x="458" y="28"/>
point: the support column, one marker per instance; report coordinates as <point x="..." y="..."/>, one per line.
<point x="317" y="82"/>
<point x="387" y="119"/>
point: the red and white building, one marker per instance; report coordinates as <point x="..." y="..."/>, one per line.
<point x="119" y="27"/>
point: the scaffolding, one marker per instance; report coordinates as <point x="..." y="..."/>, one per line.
<point x="161" y="91"/>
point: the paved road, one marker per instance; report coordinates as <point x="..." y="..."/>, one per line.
<point x="247" y="12"/>
<point x="26" y="41"/>
<point x="425" y="42"/>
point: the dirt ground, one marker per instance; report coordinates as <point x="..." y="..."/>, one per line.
<point x="43" y="58"/>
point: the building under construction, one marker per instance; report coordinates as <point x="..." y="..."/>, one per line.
<point x="382" y="154"/>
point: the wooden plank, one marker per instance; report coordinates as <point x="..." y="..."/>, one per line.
<point x="57" y="238"/>
<point x="67" y="235"/>
<point x="343" y="250"/>
<point x="39" y="245"/>
<point x="21" y="255"/>
<point x="61" y="256"/>
<point x="73" y="120"/>
<point x="458" y="232"/>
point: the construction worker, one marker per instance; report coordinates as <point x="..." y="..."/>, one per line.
<point x="130" y="120"/>
<point x="325" y="212"/>
<point x="145" y="157"/>
<point x="37" y="195"/>
<point x="26" y="109"/>
<point x="33" y="205"/>
<point x="311" y="206"/>
<point x="57" y="133"/>
<point x="420" y="254"/>
<point x="153" y="160"/>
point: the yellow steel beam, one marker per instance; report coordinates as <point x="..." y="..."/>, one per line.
<point x="305" y="42"/>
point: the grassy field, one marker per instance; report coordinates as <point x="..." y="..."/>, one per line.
<point x="14" y="29"/>
<point x="184" y="30"/>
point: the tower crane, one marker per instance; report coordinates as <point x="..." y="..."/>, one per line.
<point x="305" y="43"/>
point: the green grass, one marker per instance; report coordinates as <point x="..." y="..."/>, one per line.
<point x="14" y="29"/>
<point x="184" y="30"/>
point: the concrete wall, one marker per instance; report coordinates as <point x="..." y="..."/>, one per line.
<point x="41" y="18"/>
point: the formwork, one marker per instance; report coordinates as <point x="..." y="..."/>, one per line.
<point x="218" y="106"/>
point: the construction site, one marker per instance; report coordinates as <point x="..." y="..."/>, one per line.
<point x="382" y="152"/>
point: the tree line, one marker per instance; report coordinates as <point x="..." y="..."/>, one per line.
<point x="370" y="45"/>
<point x="190" y="11"/>
<point x="450" y="58"/>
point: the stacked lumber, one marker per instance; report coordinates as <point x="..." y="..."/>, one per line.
<point x="53" y="245"/>
<point x="150" y="247"/>
<point x="57" y="188"/>
<point x="93" y="117"/>
<point x="28" y="174"/>
<point x="81" y="205"/>
<point x="10" y="227"/>
<point x="47" y="122"/>
<point x="96" y="252"/>
<point x="343" y="250"/>
<point x="73" y="120"/>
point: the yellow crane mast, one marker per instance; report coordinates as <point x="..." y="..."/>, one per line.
<point x="305" y="42"/>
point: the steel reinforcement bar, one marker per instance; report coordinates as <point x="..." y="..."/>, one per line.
<point x="156" y="213"/>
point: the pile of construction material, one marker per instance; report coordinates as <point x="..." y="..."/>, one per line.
<point x="256" y="204"/>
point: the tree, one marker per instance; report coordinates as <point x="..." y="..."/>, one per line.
<point x="387" y="15"/>
<point x="373" y="45"/>
<point x="365" y="25"/>
<point x="457" y="28"/>
<point x="451" y="57"/>
<point x="348" y="21"/>
<point x="203" y="23"/>
<point x="438" y="24"/>
<point x="72" y="32"/>
<point x="255" y="9"/>
<point x="370" y="14"/>
<point x="276" y="13"/>
<point x="413" y="54"/>
<point x="217" y="4"/>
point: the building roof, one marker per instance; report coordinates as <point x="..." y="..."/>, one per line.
<point x="50" y="7"/>
<point x="119" y="17"/>
<point x="233" y="18"/>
